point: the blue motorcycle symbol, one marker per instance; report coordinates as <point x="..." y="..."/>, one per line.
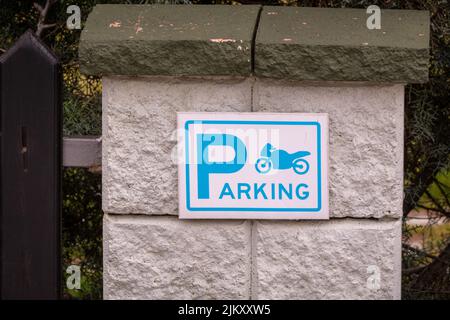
<point x="272" y="158"/>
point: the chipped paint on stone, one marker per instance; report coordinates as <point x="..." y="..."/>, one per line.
<point x="115" y="24"/>
<point x="220" y="40"/>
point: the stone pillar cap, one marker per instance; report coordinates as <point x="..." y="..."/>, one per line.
<point x="294" y="43"/>
<point x="168" y="40"/>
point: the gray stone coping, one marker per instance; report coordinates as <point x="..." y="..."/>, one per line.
<point x="335" y="44"/>
<point x="168" y="40"/>
<point x="294" y="43"/>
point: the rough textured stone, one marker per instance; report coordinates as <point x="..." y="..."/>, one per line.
<point x="366" y="141"/>
<point x="168" y="40"/>
<point x="139" y="137"/>
<point x="165" y="258"/>
<point x="328" y="260"/>
<point x="335" y="44"/>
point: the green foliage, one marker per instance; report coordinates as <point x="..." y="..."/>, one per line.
<point x="82" y="116"/>
<point x="437" y="196"/>
<point x="82" y="230"/>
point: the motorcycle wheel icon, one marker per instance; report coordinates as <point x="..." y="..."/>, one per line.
<point x="263" y="165"/>
<point x="300" y="166"/>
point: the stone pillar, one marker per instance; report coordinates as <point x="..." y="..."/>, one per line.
<point x="157" y="60"/>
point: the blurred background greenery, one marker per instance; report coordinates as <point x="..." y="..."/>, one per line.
<point x="426" y="248"/>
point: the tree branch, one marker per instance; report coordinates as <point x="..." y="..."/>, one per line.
<point x="423" y="253"/>
<point x="413" y="270"/>
<point x="437" y="204"/>
<point x="441" y="189"/>
<point x="38" y="7"/>
<point x="43" y="12"/>
<point x="435" y="210"/>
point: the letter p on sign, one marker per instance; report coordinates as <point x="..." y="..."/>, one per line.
<point x="205" y="167"/>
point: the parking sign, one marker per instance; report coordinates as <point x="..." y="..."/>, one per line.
<point x="253" y="165"/>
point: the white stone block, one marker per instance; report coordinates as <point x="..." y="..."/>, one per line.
<point x="338" y="259"/>
<point x="139" y="138"/>
<point x="366" y="141"/>
<point x="166" y="258"/>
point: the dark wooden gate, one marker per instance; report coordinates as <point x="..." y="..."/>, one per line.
<point x="30" y="171"/>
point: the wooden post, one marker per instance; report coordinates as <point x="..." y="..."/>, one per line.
<point x="30" y="158"/>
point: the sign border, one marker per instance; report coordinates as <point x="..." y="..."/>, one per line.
<point x="258" y="122"/>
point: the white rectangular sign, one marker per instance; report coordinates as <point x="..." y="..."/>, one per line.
<point x="253" y="165"/>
